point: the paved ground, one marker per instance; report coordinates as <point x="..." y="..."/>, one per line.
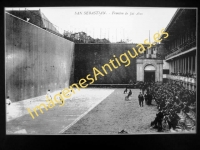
<point x="89" y="111"/>
<point x="115" y="114"/>
<point x="55" y="120"/>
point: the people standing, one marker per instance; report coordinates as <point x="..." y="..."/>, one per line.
<point x="146" y="98"/>
<point x="158" y="120"/>
<point x="150" y="98"/>
<point x="141" y="99"/>
<point x="8" y="102"/>
<point x="49" y="94"/>
<point x="143" y="89"/>
<point x="129" y="93"/>
<point x="126" y="90"/>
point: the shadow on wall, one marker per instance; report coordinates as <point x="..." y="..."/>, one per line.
<point x="36" y="60"/>
<point x="96" y="55"/>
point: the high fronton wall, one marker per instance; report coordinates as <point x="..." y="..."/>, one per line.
<point x="35" y="60"/>
<point x="88" y="56"/>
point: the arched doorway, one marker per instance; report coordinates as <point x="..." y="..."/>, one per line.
<point x="149" y="73"/>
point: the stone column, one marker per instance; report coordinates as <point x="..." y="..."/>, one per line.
<point x="181" y="65"/>
<point x="171" y="66"/>
<point x="175" y="66"/>
<point x="188" y="63"/>
<point x="195" y="57"/>
<point x="177" y="69"/>
<point x="140" y="71"/>
<point x="178" y="65"/>
<point x="192" y="64"/>
<point x="185" y="65"/>
<point x="161" y="72"/>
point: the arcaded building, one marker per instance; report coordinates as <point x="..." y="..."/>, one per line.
<point x="174" y="59"/>
<point x="182" y="48"/>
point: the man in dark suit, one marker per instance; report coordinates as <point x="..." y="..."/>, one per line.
<point x="141" y="99"/>
<point x="158" y="120"/>
<point x="149" y="98"/>
<point x="129" y="93"/>
<point x="126" y="90"/>
<point x="146" y="98"/>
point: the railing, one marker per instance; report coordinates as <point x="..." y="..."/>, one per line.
<point x="188" y="44"/>
<point x="38" y="20"/>
<point x="42" y="22"/>
<point x="181" y="78"/>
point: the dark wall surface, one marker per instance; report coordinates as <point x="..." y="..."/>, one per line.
<point x="88" y="56"/>
<point x="36" y="60"/>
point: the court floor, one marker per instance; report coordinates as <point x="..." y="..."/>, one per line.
<point x="55" y="120"/>
<point x="89" y="111"/>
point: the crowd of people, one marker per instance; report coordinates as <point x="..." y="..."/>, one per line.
<point x="144" y="86"/>
<point x="187" y="74"/>
<point x="171" y="98"/>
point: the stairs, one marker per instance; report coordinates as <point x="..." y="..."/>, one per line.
<point x="187" y="122"/>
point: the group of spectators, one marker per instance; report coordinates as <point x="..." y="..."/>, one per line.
<point x="145" y="86"/>
<point x="187" y="74"/>
<point x="171" y="98"/>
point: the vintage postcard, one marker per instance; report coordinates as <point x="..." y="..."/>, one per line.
<point x="100" y="70"/>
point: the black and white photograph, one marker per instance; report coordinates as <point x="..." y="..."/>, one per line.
<point x="100" y="70"/>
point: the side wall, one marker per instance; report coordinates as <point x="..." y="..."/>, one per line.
<point x="35" y="60"/>
<point x="88" y="56"/>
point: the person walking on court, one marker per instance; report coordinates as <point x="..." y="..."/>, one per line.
<point x="141" y="99"/>
<point x="8" y="102"/>
<point x="129" y="93"/>
<point x="126" y="90"/>
<point x="49" y="94"/>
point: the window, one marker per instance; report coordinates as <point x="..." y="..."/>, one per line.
<point x="165" y="71"/>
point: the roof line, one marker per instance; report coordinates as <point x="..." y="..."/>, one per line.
<point x="175" y="14"/>
<point x="172" y="18"/>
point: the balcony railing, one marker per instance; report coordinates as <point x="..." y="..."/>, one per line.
<point x="181" y="78"/>
<point x="181" y="48"/>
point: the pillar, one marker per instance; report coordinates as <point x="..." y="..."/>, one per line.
<point x="175" y="65"/>
<point x="185" y="64"/>
<point x="178" y="64"/>
<point x="181" y="64"/>
<point x="195" y="63"/>
<point x="192" y="64"/>
<point x="188" y="64"/>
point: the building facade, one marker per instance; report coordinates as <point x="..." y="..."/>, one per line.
<point x="175" y="58"/>
<point x="181" y="44"/>
<point x="150" y="65"/>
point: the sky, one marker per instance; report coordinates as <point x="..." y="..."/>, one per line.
<point x="113" y="23"/>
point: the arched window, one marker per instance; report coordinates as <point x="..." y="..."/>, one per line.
<point x="149" y="68"/>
